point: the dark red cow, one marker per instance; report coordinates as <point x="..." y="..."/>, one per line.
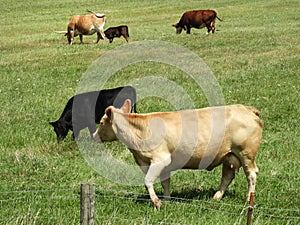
<point x="197" y="19"/>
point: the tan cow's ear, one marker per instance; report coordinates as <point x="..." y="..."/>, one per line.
<point x="126" y="107"/>
<point x="108" y="112"/>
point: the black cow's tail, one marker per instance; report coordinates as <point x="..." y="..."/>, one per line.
<point x="134" y="108"/>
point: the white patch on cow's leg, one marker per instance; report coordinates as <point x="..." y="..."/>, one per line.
<point x="251" y="174"/>
<point x="251" y="183"/>
<point x="102" y="33"/>
<point x="100" y="30"/>
<point x="251" y="171"/>
<point x="154" y="171"/>
<point x="71" y="37"/>
<point x="165" y="183"/>
<point x="227" y="176"/>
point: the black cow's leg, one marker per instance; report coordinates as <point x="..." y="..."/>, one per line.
<point x="75" y="134"/>
<point x="76" y="131"/>
<point x="81" y="38"/>
<point x="92" y="129"/>
<point x="165" y="183"/>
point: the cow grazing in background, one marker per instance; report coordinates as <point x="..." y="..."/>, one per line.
<point x="197" y="19"/>
<point x="119" y="31"/>
<point x="85" y="25"/>
<point x="86" y="109"/>
<point x="189" y="139"/>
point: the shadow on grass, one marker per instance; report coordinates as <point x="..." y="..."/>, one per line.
<point x="186" y="195"/>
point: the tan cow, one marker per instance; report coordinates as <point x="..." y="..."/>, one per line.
<point x="162" y="142"/>
<point x="85" y="25"/>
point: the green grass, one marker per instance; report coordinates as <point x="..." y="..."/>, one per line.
<point x="255" y="56"/>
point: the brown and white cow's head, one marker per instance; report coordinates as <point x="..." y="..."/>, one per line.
<point x="178" y="28"/>
<point x="105" y="132"/>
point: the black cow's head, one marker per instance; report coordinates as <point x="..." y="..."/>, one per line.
<point x="60" y="129"/>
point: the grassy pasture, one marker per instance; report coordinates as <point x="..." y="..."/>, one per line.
<point x="254" y="55"/>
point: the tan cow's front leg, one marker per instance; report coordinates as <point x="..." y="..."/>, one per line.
<point x="154" y="171"/>
<point x="99" y="36"/>
<point x="165" y="183"/>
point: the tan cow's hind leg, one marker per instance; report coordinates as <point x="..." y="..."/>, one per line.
<point x="228" y="174"/>
<point x="231" y="165"/>
<point x="251" y="172"/>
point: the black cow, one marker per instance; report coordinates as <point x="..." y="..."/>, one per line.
<point x="197" y="19"/>
<point x="119" y="31"/>
<point x="86" y="109"/>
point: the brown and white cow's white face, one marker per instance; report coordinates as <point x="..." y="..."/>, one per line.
<point x="178" y="28"/>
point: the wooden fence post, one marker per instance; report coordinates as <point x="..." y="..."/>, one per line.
<point x="250" y="209"/>
<point x="87" y="203"/>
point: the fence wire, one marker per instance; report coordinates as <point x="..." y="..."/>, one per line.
<point x="62" y="206"/>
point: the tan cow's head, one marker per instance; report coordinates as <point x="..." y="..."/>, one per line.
<point x="105" y="131"/>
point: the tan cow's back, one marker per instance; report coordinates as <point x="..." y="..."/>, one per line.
<point x="195" y="135"/>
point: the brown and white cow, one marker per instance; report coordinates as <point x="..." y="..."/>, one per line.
<point x="197" y="19"/>
<point x="85" y="25"/>
<point x="162" y="142"/>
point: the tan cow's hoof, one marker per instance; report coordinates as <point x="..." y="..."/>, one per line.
<point x="157" y="204"/>
<point x="218" y="195"/>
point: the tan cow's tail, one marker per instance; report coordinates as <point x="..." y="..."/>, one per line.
<point x="254" y="110"/>
<point x="99" y="15"/>
<point x="256" y="113"/>
<point x="90" y="11"/>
